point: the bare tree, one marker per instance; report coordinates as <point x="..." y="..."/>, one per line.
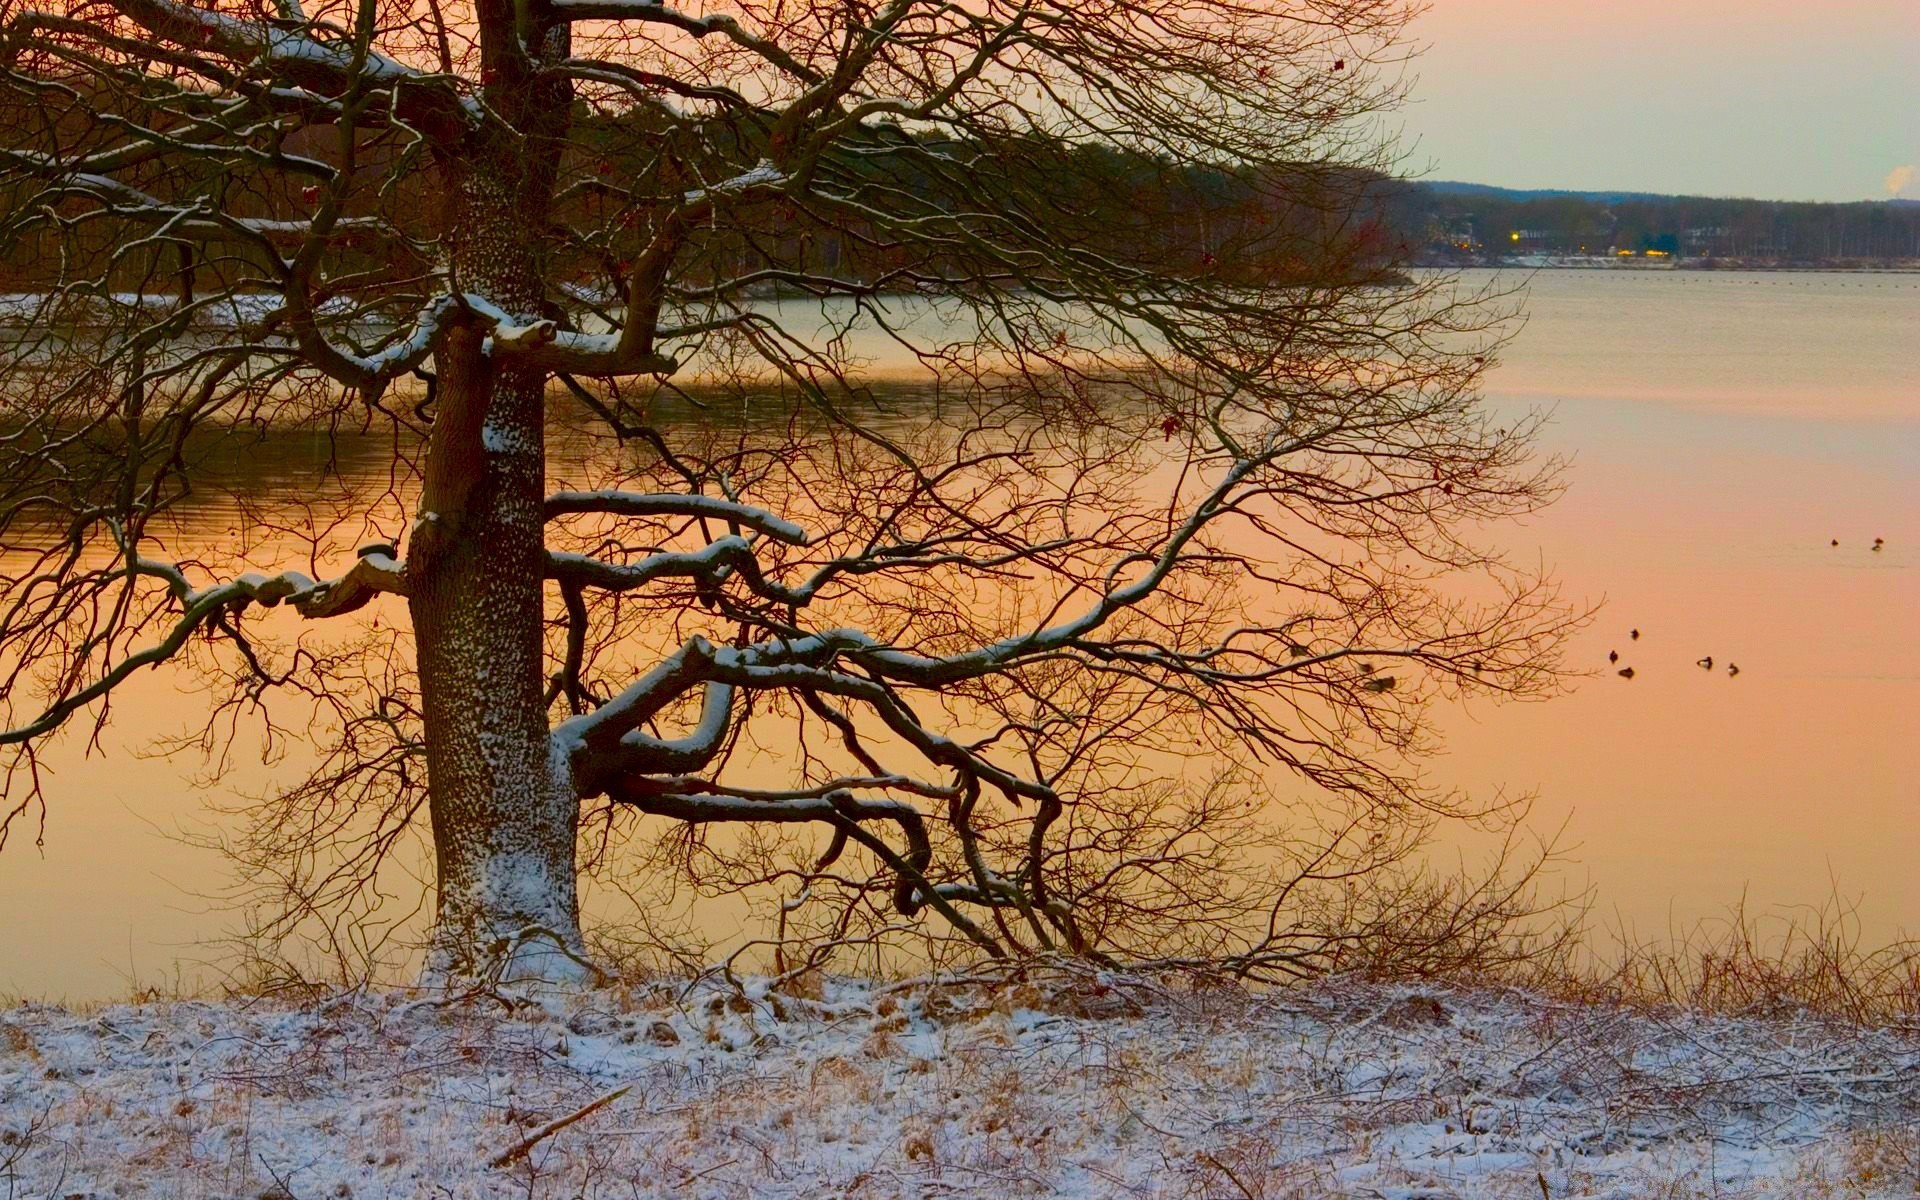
<point x="1195" y="477"/>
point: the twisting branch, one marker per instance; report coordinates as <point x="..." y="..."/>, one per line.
<point x="374" y="574"/>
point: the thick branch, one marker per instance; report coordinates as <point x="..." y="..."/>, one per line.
<point x="373" y="574"/>
<point x="676" y="504"/>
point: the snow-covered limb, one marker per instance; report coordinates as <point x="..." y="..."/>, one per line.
<point x="809" y="662"/>
<point x="700" y="807"/>
<point x="786" y="661"/>
<point x="761" y="174"/>
<point x="839" y="662"/>
<point x="643" y="752"/>
<point x="151" y="145"/>
<point x="511" y="334"/>
<point x="710" y="561"/>
<point x="293" y="54"/>
<point x="597" y="734"/>
<point x="369" y="373"/>
<point x="374" y="573"/>
<point x="656" y="12"/>
<point x="543" y="345"/>
<point x="698" y="801"/>
<point x="679" y="504"/>
<point x="276" y="45"/>
<point x="592" y="739"/>
<point x="409" y="351"/>
<point x="595" y="355"/>
<point x="799" y="663"/>
<point x="194" y="220"/>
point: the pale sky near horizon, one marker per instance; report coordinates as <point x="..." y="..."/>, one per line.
<point x="1761" y="98"/>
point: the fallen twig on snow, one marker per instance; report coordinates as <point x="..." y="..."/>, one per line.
<point x="555" y="1126"/>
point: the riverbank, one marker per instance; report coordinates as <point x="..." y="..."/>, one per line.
<point x="1093" y="1089"/>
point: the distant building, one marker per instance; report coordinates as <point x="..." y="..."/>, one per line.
<point x="1459" y="235"/>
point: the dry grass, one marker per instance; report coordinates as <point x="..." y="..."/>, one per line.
<point x="1064" y="1083"/>
<point x="1810" y="961"/>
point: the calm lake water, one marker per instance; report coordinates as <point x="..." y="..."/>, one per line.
<point x="1723" y="429"/>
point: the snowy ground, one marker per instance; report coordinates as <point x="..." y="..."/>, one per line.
<point x="1337" y="1090"/>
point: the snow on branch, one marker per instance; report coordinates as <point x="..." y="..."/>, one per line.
<point x="810" y="661"/>
<point x="371" y="372"/>
<point x="594" y="741"/>
<point x="710" y="561"/>
<point x="290" y="52"/>
<point x="697" y="807"/>
<point x="274" y="43"/>
<point x="653" y="504"/>
<point x="699" y="801"/>
<point x="696" y="748"/>
<point x="375" y="572"/>
<point x="191" y="220"/>
<point x="761" y="174"/>
<point x="543" y="345"/>
<point x="597" y="734"/>
<point x="655" y="12"/>
<point x="814" y="662"/>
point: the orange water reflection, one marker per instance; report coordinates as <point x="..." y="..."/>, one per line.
<point x="1724" y="428"/>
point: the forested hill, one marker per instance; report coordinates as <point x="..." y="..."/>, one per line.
<point x="1466" y="221"/>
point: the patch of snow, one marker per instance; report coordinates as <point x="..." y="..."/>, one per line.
<point x="1108" y="1088"/>
<point x="499" y="439"/>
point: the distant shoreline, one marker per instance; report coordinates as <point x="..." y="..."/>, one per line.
<point x="1530" y="263"/>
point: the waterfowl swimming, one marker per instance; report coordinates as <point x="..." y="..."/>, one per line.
<point x="1635" y="635"/>
<point x="1626" y="672"/>
<point x="1835" y="542"/>
<point x="1733" y="669"/>
<point x="1613" y="656"/>
<point x="1705" y="664"/>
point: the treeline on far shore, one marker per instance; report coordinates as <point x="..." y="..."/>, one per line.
<point x="1128" y="212"/>
<point x="1469" y="224"/>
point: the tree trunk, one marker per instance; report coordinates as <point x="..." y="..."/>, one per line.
<point x="502" y="803"/>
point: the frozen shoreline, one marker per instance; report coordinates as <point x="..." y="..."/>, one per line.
<point x="1097" y="1090"/>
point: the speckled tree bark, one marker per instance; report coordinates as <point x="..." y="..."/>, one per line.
<point x="502" y="805"/>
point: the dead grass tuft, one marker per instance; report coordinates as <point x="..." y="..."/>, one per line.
<point x="1805" y="961"/>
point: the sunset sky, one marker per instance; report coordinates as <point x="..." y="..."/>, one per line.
<point x="1811" y="100"/>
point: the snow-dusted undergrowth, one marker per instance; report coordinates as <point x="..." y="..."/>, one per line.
<point x="1335" y="1090"/>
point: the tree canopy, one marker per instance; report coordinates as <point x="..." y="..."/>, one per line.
<point x="990" y="636"/>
